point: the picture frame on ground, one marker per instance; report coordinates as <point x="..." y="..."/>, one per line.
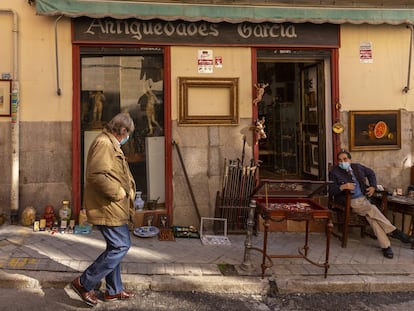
<point x="5" y="98"/>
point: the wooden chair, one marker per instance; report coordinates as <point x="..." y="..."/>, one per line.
<point x="344" y="218"/>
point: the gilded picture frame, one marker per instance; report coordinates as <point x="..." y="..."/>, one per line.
<point x="375" y="130"/>
<point x="208" y="101"/>
<point x="5" y="98"/>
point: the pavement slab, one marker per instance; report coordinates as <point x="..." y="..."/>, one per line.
<point x="42" y="259"/>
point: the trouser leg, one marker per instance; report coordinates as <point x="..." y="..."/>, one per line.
<point x="107" y="265"/>
<point x="377" y="220"/>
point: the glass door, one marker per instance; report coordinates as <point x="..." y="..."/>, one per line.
<point x="312" y="120"/>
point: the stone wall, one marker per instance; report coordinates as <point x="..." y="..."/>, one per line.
<point x="392" y="167"/>
<point x="204" y="150"/>
<point x="45" y="165"/>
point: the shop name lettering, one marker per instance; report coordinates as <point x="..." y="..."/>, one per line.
<point x="138" y="30"/>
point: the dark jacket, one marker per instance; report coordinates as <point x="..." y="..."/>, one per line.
<point x="339" y="177"/>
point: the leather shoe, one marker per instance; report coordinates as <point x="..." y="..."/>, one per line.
<point x="88" y="297"/>
<point x="388" y="252"/>
<point x="405" y="238"/>
<point x="120" y="296"/>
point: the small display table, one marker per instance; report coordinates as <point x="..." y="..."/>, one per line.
<point x="405" y="206"/>
<point x="285" y="200"/>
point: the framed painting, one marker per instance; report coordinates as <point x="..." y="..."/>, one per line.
<point x="5" y="96"/>
<point x="375" y="130"/>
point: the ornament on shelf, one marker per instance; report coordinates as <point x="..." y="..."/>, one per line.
<point x="139" y="202"/>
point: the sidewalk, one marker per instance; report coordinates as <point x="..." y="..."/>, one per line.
<point x="42" y="259"/>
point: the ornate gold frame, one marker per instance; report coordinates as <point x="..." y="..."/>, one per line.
<point x="208" y="101"/>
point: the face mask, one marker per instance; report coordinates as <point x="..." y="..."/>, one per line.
<point x="345" y="165"/>
<point x="124" y="140"/>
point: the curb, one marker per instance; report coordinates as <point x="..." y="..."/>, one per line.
<point x="210" y="284"/>
<point x="224" y="284"/>
<point x="345" y="284"/>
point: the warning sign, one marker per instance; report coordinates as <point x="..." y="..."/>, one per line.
<point x="365" y="52"/>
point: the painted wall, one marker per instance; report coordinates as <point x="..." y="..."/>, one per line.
<point x="45" y="168"/>
<point x="37" y="62"/>
<point x="45" y="118"/>
<point x="378" y="86"/>
<point x="204" y="148"/>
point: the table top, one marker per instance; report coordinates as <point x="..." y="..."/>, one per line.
<point x="401" y="199"/>
<point x="292" y="208"/>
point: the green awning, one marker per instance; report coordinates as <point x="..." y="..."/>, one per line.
<point x="224" y="12"/>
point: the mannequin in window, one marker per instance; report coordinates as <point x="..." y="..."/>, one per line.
<point x="150" y="109"/>
<point x="98" y="102"/>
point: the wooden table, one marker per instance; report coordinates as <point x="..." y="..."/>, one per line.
<point x="405" y="206"/>
<point x="296" y="209"/>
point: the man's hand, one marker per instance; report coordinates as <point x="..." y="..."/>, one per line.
<point x="370" y="191"/>
<point x="348" y="186"/>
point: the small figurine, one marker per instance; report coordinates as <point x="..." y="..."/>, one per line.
<point x="260" y="133"/>
<point x="98" y="100"/>
<point x="49" y="216"/>
<point x="150" y="108"/>
<point x="260" y="89"/>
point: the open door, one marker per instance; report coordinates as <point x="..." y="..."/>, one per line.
<point x="293" y="106"/>
<point x="312" y="140"/>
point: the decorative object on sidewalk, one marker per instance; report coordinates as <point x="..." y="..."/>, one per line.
<point x="186" y="232"/>
<point x="232" y="202"/>
<point x="146" y="231"/>
<point x="28" y="216"/>
<point x="82" y="229"/>
<point x="149" y="219"/>
<point x="2" y="219"/>
<point x="65" y="212"/>
<point x="49" y="216"/>
<point x="83" y="219"/>
<point x="213" y="231"/>
<point x="166" y="233"/>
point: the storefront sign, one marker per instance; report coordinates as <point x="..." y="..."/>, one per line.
<point x="181" y="32"/>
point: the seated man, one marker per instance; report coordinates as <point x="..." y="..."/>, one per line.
<point x="352" y="177"/>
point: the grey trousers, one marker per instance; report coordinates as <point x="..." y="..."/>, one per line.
<point x="377" y="220"/>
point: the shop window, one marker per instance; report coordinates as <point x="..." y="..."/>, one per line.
<point x="117" y="80"/>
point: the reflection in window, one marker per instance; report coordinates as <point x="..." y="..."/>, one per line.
<point x="113" y="81"/>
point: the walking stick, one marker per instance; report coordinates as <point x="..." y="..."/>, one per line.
<point x="187" y="179"/>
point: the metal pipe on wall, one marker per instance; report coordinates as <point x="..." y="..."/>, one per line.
<point x="15" y="124"/>
<point x="407" y="87"/>
<point x="58" y="89"/>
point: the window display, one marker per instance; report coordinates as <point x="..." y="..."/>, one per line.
<point x="129" y="80"/>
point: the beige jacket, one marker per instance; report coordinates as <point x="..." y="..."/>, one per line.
<point x="106" y="172"/>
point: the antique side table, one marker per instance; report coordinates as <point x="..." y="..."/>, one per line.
<point x="283" y="200"/>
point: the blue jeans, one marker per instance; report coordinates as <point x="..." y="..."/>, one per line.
<point x="108" y="264"/>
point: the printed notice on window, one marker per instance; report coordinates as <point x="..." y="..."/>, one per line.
<point x="365" y="53"/>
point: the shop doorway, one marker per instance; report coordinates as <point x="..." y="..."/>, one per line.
<point x="295" y="109"/>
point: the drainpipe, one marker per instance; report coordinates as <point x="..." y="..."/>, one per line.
<point x="58" y="89"/>
<point x="407" y="87"/>
<point x="15" y="125"/>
